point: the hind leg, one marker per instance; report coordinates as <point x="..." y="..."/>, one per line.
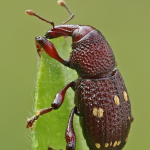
<point x="70" y="134"/>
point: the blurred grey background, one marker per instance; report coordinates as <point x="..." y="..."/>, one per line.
<point x="124" y="23"/>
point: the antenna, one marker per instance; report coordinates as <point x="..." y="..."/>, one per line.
<point x="32" y="13"/>
<point x="62" y="3"/>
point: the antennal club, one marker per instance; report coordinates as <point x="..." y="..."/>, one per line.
<point x="32" y="13"/>
<point x="62" y="3"/>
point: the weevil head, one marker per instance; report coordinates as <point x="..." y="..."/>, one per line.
<point x="77" y="32"/>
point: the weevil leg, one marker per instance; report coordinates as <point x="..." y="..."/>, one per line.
<point x="50" y="148"/>
<point x="42" y="44"/>
<point x="70" y="134"/>
<point x="59" y="98"/>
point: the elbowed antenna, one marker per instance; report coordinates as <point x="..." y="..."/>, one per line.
<point x="32" y="13"/>
<point x="60" y="2"/>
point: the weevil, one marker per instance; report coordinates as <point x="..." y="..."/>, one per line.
<point x="101" y="98"/>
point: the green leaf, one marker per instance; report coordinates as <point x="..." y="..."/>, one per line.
<point x="50" y="128"/>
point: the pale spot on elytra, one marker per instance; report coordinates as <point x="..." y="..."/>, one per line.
<point x="119" y="142"/>
<point x="129" y="117"/>
<point x="97" y="145"/>
<point x="115" y="143"/>
<point x="95" y="111"/>
<point x="106" y="144"/>
<point x="100" y="112"/>
<point x="116" y="99"/>
<point x="125" y="96"/>
<point x="111" y="143"/>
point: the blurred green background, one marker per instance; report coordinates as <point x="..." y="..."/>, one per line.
<point x="124" y="23"/>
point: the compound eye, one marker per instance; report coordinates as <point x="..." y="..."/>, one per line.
<point x="75" y="32"/>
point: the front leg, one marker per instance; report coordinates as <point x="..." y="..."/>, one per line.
<point x="59" y="98"/>
<point x="42" y="44"/>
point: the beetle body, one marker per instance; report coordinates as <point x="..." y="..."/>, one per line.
<point x="105" y="118"/>
<point x="101" y="98"/>
<point x="100" y="93"/>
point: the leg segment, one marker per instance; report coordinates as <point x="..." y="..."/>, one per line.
<point x="43" y="44"/>
<point x="59" y="98"/>
<point x="49" y="148"/>
<point x="70" y="134"/>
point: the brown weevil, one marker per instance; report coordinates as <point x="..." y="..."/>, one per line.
<point x="101" y="98"/>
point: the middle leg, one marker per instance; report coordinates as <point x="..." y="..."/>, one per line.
<point x="59" y="98"/>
